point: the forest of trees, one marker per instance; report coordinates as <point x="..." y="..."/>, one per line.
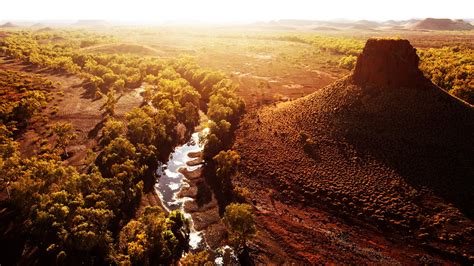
<point x="90" y="216"/>
<point x="451" y="68"/>
<point x="23" y="96"/>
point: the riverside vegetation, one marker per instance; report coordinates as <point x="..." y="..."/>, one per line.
<point x="56" y="212"/>
<point x="90" y="215"/>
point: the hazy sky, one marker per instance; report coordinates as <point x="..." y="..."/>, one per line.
<point x="232" y="10"/>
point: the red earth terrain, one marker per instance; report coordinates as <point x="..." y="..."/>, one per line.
<point x="376" y="167"/>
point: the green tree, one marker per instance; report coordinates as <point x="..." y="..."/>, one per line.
<point x="190" y="116"/>
<point x="111" y="103"/>
<point x="148" y="93"/>
<point x="199" y="258"/>
<point x="217" y="138"/>
<point x="133" y="241"/>
<point x="116" y="153"/>
<point x="152" y="238"/>
<point x="64" y="135"/>
<point x="30" y="104"/>
<point x="226" y="165"/>
<point x="129" y="185"/>
<point x="212" y="147"/>
<point x="89" y="229"/>
<point x="210" y="79"/>
<point x="179" y="225"/>
<point x="239" y="220"/>
<point x="112" y="129"/>
<point x="348" y="62"/>
<point x="188" y="94"/>
<point x="141" y="127"/>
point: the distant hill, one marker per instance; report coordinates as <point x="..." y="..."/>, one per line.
<point x="365" y="25"/>
<point x="8" y="25"/>
<point x="44" y="29"/>
<point x="38" y="25"/>
<point x="442" y="24"/>
<point x="296" y="22"/>
<point x="325" y="28"/>
<point x="319" y="25"/>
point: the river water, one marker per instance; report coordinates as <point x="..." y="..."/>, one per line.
<point x="172" y="181"/>
<point x="170" y="184"/>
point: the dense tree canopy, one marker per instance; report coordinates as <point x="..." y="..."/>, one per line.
<point x="112" y="130"/>
<point x="152" y="238"/>
<point x="90" y="216"/>
<point x="451" y="68"/>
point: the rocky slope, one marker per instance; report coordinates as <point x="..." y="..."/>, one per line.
<point x="383" y="151"/>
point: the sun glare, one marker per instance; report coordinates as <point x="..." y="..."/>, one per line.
<point x="231" y="11"/>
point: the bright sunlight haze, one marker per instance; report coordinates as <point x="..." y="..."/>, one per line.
<point x="232" y="11"/>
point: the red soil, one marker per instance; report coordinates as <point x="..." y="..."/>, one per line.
<point x="385" y="63"/>
<point x="383" y="159"/>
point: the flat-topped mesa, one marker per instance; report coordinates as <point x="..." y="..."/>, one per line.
<point x="387" y="62"/>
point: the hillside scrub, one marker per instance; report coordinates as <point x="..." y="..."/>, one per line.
<point x="23" y="97"/>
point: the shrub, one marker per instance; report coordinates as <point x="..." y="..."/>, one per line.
<point x="348" y="62"/>
<point x="226" y="165"/>
<point x="64" y="135"/>
<point x="112" y="130"/>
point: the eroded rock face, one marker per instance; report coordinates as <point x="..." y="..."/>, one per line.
<point x="387" y="62"/>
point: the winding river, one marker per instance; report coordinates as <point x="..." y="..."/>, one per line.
<point x="171" y="182"/>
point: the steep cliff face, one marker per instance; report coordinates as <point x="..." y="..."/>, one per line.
<point x="388" y="62"/>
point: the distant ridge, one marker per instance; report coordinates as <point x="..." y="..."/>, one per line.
<point x="367" y="25"/>
<point x="38" y="25"/>
<point x="8" y="25"/>
<point x="325" y="28"/>
<point x="442" y="24"/>
<point x="44" y="29"/>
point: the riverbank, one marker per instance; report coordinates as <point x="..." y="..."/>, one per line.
<point x="150" y="199"/>
<point x="203" y="208"/>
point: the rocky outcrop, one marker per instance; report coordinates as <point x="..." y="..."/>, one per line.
<point x="388" y="62"/>
<point x="383" y="144"/>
